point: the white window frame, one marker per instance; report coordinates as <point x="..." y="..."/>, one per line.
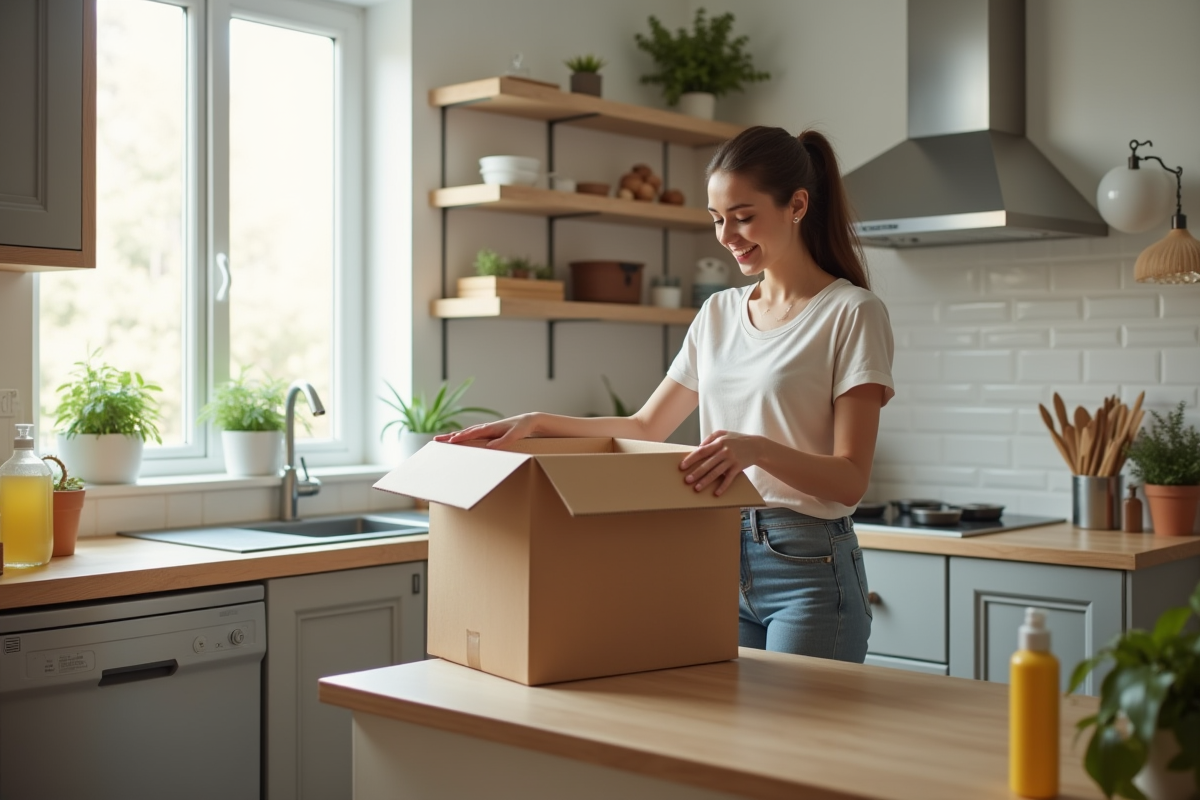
<point x="206" y="344"/>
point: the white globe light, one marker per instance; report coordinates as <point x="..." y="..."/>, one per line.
<point x="1135" y="200"/>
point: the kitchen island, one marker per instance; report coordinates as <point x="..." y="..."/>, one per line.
<point x="766" y="725"/>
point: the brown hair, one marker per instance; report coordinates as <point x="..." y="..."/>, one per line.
<point x="781" y="164"/>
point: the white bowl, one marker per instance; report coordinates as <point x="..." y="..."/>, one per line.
<point x="509" y="177"/>
<point x="511" y="163"/>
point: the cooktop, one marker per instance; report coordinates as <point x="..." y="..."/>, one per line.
<point x="903" y="523"/>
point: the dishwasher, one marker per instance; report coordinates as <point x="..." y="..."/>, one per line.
<point x="152" y="697"/>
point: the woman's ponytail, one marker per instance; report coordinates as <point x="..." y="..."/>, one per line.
<point x="780" y="164"/>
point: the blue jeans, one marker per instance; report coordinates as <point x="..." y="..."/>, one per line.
<point x="803" y="587"/>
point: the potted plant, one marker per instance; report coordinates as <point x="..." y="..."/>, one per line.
<point x="696" y="68"/>
<point x="585" y="74"/>
<point x="104" y="417"/>
<point x="68" y="505"/>
<point x="250" y="416"/>
<point x="421" y="420"/>
<point x="1166" y="459"/>
<point x="1145" y="739"/>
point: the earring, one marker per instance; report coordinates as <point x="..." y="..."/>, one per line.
<point x="796" y="220"/>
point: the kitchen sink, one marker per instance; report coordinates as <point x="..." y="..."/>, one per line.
<point x="259" y="536"/>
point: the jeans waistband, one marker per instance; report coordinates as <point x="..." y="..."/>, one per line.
<point x="754" y="518"/>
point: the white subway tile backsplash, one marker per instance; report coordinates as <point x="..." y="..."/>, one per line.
<point x="1048" y="310"/>
<point x="1029" y="420"/>
<point x="1159" y="396"/>
<point x="975" y="312"/>
<point x="1087" y="337"/>
<point x="895" y="416"/>
<point x="1118" y="366"/>
<point x="1059" y="480"/>
<point x="946" y="476"/>
<point x="130" y="514"/>
<point x="87" y="518"/>
<point x="1000" y="394"/>
<point x="1029" y="479"/>
<point x="964" y="420"/>
<point x="1017" y="278"/>
<point x="386" y="501"/>
<point x="323" y="503"/>
<point x="1182" y="301"/>
<point x="1048" y="504"/>
<point x="976" y="451"/>
<point x="900" y="281"/>
<point x="1037" y="452"/>
<point x="903" y="312"/>
<point x="917" y="366"/>
<point x="1121" y="308"/>
<point x="1086" y="277"/>
<point x="355" y="497"/>
<point x="943" y="338"/>
<point x="240" y="505"/>
<point x="903" y="448"/>
<point x="1044" y="366"/>
<point x="1028" y="338"/>
<point x="978" y="366"/>
<point x="1088" y="395"/>
<point x="1159" y="336"/>
<point x="1181" y="366"/>
<point x="942" y="392"/>
<point x="185" y="510"/>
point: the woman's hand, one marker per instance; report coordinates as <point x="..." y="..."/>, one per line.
<point x="498" y="433"/>
<point x="722" y="456"/>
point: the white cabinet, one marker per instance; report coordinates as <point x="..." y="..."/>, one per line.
<point x="47" y="134"/>
<point x="329" y="624"/>
<point x="908" y="606"/>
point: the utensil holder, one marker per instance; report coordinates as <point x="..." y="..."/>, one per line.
<point x="1096" y="502"/>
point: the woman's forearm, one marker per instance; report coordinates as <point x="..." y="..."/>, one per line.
<point x="833" y="478"/>
<point x="562" y="426"/>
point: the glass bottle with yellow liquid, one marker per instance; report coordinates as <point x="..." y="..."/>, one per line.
<point x="26" y="505"/>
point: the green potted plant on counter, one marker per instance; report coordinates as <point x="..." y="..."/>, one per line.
<point x="585" y="74"/>
<point x="1145" y="740"/>
<point x="696" y="68"/>
<point x="104" y="417"/>
<point x="421" y="420"/>
<point x="1166" y="459"/>
<point x="249" y="414"/>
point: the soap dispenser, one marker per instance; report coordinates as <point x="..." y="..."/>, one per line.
<point x="26" y="505"/>
<point x="1033" y="726"/>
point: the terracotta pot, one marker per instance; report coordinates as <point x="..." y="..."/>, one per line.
<point x="67" y="508"/>
<point x="1173" y="509"/>
<point x="606" y="282"/>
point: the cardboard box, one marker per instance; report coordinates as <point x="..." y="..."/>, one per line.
<point x="515" y="288"/>
<point x="562" y="559"/>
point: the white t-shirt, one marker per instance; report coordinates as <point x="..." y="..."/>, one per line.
<point x="782" y="383"/>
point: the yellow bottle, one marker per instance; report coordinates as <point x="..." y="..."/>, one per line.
<point x="26" y="505"/>
<point x="1033" y="701"/>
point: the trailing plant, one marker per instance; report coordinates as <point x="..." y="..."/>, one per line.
<point x="103" y="399"/>
<point x="62" y="483"/>
<point x="585" y="63"/>
<point x="704" y="60"/>
<point x="1168" y="454"/>
<point x="243" y="404"/>
<point x="1154" y="685"/>
<point x="440" y="416"/>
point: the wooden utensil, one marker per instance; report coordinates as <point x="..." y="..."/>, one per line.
<point x="1082" y="418"/>
<point x="1058" y="442"/>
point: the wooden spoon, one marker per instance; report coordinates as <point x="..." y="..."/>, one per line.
<point x="1058" y="442"/>
<point x="1082" y="418"/>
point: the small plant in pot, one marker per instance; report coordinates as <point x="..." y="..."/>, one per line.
<point x="68" y="506"/>
<point x="249" y="414"/>
<point x="585" y="74"/>
<point x="695" y="68"/>
<point x="104" y="417"/>
<point x="1145" y="741"/>
<point x="421" y="420"/>
<point x="1166" y="459"/>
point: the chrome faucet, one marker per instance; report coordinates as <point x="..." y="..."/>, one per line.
<point x="295" y="487"/>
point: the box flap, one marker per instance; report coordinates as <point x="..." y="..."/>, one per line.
<point x="624" y="482"/>
<point x="453" y="474"/>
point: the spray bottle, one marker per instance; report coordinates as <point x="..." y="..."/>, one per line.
<point x="1033" y="711"/>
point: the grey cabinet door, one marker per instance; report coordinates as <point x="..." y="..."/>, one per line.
<point x="908" y="604"/>
<point x="42" y="123"/>
<point x="1084" y="610"/>
<point x="330" y="624"/>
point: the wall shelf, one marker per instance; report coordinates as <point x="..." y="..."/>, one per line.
<point x="549" y="203"/>
<point x="550" y="310"/>
<point x="533" y="100"/>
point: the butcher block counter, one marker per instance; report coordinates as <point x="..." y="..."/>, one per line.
<point x="767" y="725"/>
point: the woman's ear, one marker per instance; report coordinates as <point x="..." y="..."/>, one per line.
<point x="799" y="205"/>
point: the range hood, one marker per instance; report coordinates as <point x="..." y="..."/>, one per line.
<point x="966" y="173"/>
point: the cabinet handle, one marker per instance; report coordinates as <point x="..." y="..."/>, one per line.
<point x="874" y="599"/>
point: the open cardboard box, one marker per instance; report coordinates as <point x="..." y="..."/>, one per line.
<point x="562" y="559"/>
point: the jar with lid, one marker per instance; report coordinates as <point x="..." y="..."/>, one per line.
<point x="26" y="505"/>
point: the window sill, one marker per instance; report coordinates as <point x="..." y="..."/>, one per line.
<point x="181" y="484"/>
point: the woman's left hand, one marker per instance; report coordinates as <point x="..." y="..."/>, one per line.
<point x="722" y="456"/>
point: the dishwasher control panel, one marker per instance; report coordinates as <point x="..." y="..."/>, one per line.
<point x="224" y="637"/>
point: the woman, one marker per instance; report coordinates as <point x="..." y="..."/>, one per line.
<point x="789" y="374"/>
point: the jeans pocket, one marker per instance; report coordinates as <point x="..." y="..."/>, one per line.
<point x="860" y="572"/>
<point x="809" y="544"/>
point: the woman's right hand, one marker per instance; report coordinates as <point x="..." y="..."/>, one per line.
<point x="497" y="434"/>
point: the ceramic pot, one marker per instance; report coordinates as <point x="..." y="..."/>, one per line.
<point x="411" y="442"/>
<point x="102" y="458"/>
<point x="1173" y="509"/>
<point x="586" y="83"/>
<point x="698" y="104"/>
<point x="253" y="452"/>
<point x="67" y="508"/>
<point x="1155" y="780"/>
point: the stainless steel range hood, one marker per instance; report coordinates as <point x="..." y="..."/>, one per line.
<point x="966" y="173"/>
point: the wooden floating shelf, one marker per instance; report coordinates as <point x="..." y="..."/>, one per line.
<point x="532" y="100"/>
<point x="550" y="310"/>
<point x="549" y="203"/>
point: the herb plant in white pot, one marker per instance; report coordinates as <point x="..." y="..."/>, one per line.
<point x="104" y="418"/>
<point x="250" y="416"/>
<point x="421" y="420"/>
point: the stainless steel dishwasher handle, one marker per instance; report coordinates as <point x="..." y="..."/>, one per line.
<point x="139" y="672"/>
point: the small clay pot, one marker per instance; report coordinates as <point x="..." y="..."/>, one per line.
<point x="67" y="508"/>
<point x="586" y="187"/>
<point x="586" y="83"/>
<point x="1173" y="509"/>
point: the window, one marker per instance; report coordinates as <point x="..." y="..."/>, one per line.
<point x="227" y="225"/>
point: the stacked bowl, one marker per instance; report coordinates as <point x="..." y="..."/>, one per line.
<point x="510" y="170"/>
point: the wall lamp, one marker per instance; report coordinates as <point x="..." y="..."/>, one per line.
<point x="1132" y="199"/>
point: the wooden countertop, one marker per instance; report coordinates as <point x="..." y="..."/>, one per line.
<point x="767" y="725"/>
<point x="117" y="566"/>
<point x="1048" y="544"/>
